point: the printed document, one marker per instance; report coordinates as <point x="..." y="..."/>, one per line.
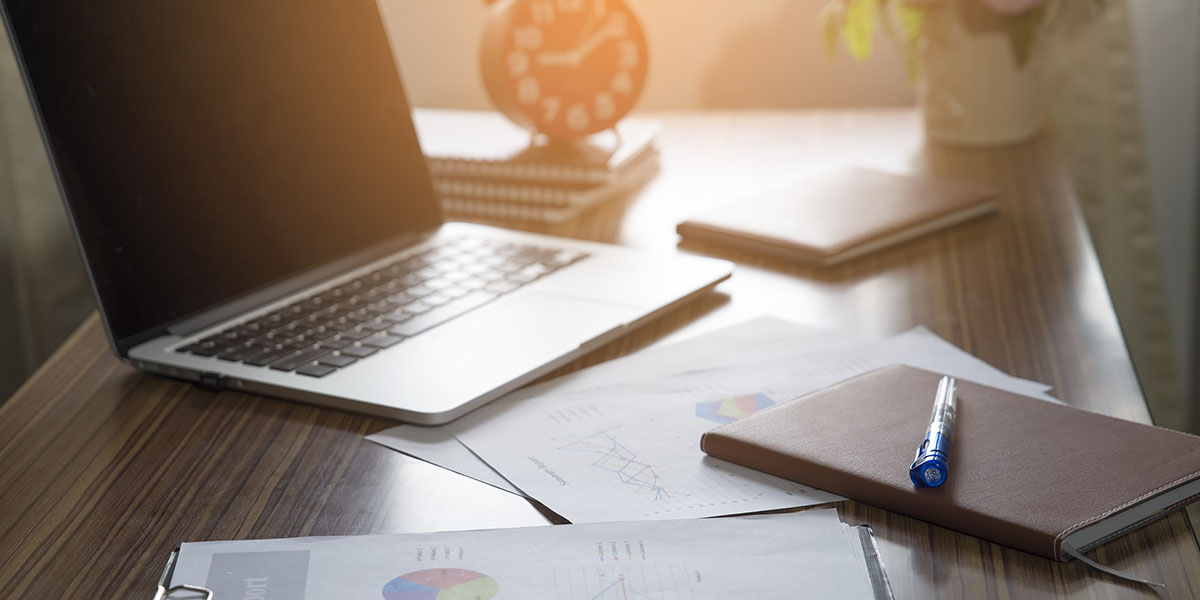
<point x="809" y="554"/>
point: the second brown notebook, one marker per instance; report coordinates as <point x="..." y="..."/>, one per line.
<point x="1025" y="473"/>
<point x="840" y="215"/>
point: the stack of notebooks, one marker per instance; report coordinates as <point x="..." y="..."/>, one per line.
<point x="484" y="166"/>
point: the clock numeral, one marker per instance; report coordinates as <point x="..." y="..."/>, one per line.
<point x="542" y="11"/>
<point x="622" y="83"/>
<point x="528" y="37"/>
<point x="528" y="90"/>
<point x="618" y="24"/>
<point x="550" y="107"/>
<point x="606" y="106"/>
<point x="577" y="117"/>
<point x="627" y="54"/>
<point x="518" y="63"/>
<point x="570" y="5"/>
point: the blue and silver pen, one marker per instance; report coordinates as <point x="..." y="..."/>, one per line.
<point x="932" y="464"/>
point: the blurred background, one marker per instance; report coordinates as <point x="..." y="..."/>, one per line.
<point x="1123" y="110"/>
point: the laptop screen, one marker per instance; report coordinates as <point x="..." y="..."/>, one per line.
<point x="209" y="149"/>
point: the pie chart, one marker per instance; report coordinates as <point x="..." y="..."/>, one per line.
<point x="441" y="584"/>
<point x="732" y="409"/>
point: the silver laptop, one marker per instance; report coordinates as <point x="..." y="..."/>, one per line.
<point x="254" y="212"/>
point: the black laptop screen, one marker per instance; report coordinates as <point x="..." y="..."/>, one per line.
<point x="210" y="148"/>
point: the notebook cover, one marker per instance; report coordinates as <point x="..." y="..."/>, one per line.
<point x="837" y="216"/>
<point x="485" y="144"/>
<point x="1023" y="472"/>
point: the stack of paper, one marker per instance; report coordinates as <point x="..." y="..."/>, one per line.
<point x="620" y="441"/>
<point x="810" y="554"/>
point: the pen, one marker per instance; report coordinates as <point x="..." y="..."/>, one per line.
<point x="932" y="463"/>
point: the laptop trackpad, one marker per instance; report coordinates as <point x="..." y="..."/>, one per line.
<point x="482" y="350"/>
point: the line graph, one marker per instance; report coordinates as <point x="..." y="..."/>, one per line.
<point x="618" y="459"/>
<point x="615" y="590"/>
<point x="637" y="581"/>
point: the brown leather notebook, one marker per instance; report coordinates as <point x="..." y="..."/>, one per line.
<point x="840" y="215"/>
<point x="1025" y="473"/>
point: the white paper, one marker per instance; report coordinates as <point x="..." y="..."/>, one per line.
<point x="787" y="556"/>
<point x="632" y="451"/>
<point x="438" y="446"/>
<point x="755" y="342"/>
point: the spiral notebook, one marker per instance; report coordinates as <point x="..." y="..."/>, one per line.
<point x="485" y="145"/>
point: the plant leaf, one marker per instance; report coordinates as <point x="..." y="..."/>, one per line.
<point x="860" y="27"/>
<point x="833" y="18"/>
<point x="911" y="20"/>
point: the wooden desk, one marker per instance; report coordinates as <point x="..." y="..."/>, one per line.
<point x="104" y="470"/>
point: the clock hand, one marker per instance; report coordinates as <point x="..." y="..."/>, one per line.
<point x="575" y="56"/>
<point x="612" y="28"/>
<point x="556" y="59"/>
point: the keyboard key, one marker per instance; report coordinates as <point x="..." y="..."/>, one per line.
<point x="208" y="348"/>
<point x="383" y="341"/>
<point x="416" y="308"/>
<point x="442" y="314"/>
<point x="502" y="287"/>
<point x="436" y="299"/>
<point x="336" y="343"/>
<point x="301" y="358"/>
<point x="337" y="360"/>
<point x="358" y="351"/>
<point x="316" y="370"/>
<point x="237" y="353"/>
<point x="356" y="334"/>
<point x="454" y="291"/>
<point x="378" y="324"/>
<point x="267" y="356"/>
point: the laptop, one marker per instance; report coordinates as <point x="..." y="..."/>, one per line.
<point x="254" y="213"/>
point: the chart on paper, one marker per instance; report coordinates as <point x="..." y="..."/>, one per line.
<point x="620" y="460"/>
<point x="625" y="582"/>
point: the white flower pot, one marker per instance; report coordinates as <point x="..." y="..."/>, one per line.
<point x="972" y="90"/>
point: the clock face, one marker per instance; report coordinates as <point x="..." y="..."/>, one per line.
<point x="566" y="68"/>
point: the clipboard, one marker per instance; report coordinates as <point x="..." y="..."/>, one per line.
<point x="876" y="572"/>
<point x="164" y="593"/>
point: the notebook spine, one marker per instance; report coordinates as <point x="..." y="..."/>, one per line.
<point x="481" y="169"/>
<point x="508" y="211"/>
<point x="541" y="195"/>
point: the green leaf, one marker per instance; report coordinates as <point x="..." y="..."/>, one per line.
<point x="860" y="27"/>
<point x="833" y="18"/>
<point x="911" y="20"/>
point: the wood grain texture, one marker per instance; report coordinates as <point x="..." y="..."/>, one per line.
<point x="103" y="470"/>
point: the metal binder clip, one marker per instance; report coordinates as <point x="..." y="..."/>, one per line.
<point x="163" y="591"/>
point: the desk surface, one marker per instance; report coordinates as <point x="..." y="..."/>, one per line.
<point x="104" y="470"/>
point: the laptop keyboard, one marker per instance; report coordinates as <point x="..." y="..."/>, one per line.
<point x="336" y="328"/>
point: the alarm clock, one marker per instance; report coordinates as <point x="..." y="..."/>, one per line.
<point x="566" y="68"/>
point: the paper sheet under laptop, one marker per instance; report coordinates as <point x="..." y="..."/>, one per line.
<point x="817" y="557"/>
<point x="570" y="461"/>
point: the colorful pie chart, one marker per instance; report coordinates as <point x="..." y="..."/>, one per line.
<point x="732" y="409"/>
<point x="441" y="584"/>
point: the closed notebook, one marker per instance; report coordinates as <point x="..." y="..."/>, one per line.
<point x="837" y="216"/>
<point x="1030" y="474"/>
